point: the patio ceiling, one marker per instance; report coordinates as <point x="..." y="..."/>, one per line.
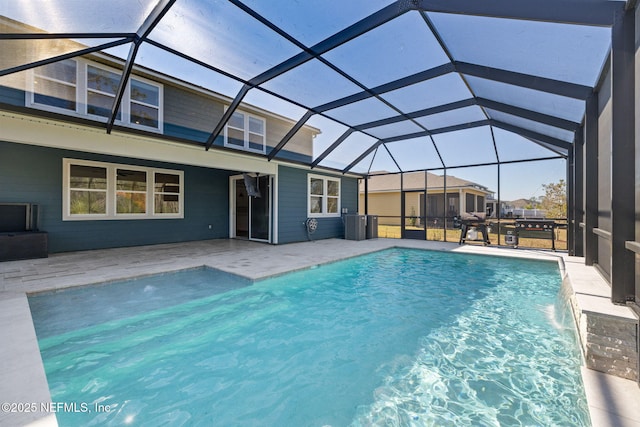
<point x="392" y="85"/>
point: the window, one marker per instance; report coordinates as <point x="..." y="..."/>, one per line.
<point x="87" y="190"/>
<point x="131" y="191"/>
<point x="84" y="88"/>
<point x="235" y="130"/>
<point x="166" y="194"/>
<point x="246" y="132"/>
<point x="145" y="104"/>
<point x="96" y="190"/>
<point x="54" y="85"/>
<point x="102" y="86"/>
<point x="324" y="196"/>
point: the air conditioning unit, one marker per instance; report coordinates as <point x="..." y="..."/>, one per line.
<point x="372" y="226"/>
<point x="355" y="227"/>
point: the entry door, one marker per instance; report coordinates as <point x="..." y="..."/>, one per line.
<point x="413" y="218"/>
<point x="253" y="213"/>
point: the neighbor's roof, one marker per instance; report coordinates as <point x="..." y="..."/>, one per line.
<point x="393" y="85"/>
<point x="416" y="181"/>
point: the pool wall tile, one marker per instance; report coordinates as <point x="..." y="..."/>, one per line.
<point x="608" y="333"/>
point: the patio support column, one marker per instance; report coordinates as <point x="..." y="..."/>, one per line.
<point x="402" y="209"/>
<point x="571" y="211"/>
<point x="424" y="206"/>
<point x="636" y="305"/>
<point x="578" y="193"/>
<point x="499" y="205"/>
<point x="623" y="157"/>
<point x="446" y="206"/>
<point x="591" y="181"/>
<point x="366" y="195"/>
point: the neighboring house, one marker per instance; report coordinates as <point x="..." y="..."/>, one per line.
<point x="150" y="180"/>
<point x="385" y="197"/>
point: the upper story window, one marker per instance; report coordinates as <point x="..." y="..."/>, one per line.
<point x="102" y="86"/>
<point x="144" y="104"/>
<point x="85" y="88"/>
<point x="54" y="85"/>
<point x="324" y="196"/>
<point x="96" y="190"/>
<point x="245" y="131"/>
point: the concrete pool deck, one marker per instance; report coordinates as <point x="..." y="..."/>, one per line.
<point x="612" y="401"/>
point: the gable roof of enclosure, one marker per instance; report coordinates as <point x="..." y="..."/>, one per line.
<point x="393" y="85"/>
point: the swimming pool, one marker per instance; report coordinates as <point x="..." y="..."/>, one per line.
<point x="398" y="337"/>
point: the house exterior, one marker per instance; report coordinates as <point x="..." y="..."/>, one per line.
<point x="150" y="179"/>
<point x="385" y="197"/>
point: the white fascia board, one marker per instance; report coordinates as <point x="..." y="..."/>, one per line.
<point x="319" y="170"/>
<point x="56" y="134"/>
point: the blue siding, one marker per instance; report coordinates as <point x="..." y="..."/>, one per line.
<point x="293" y="156"/>
<point x="292" y="206"/>
<point x="184" y="132"/>
<point x="34" y="174"/>
<point x="12" y="96"/>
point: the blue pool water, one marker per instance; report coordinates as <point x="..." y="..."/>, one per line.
<point x="398" y="337"/>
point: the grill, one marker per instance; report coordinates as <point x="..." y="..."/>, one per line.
<point x="537" y="229"/>
<point x="470" y="225"/>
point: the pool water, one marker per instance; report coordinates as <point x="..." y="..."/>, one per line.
<point x="398" y="337"/>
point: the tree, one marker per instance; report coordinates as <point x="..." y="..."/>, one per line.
<point x="532" y="203"/>
<point x="554" y="200"/>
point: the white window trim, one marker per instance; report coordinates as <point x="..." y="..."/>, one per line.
<point x="30" y="93"/>
<point x="112" y="192"/>
<point x="247" y="146"/>
<point x="81" y="87"/>
<point x="325" y="196"/>
<point x="160" y="106"/>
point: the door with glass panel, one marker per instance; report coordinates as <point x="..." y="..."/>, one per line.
<point x="252" y="207"/>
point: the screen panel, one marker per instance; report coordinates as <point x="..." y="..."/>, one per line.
<point x="403" y="46"/>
